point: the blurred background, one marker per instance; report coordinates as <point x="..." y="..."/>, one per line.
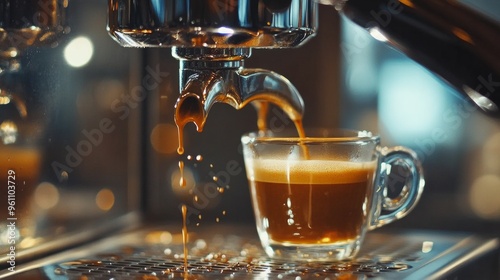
<point x="97" y="145"/>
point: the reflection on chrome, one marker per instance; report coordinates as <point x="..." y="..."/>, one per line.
<point x="482" y="101"/>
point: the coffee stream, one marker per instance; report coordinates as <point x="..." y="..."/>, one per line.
<point x="185" y="238"/>
<point x="189" y="108"/>
<point x="182" y="180"/>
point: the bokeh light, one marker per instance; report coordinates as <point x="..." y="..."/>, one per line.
<point x="411" y="101"/>
<point x="79" y="51"/>
<point x="485" y="197"/>
<point x="46" y="195"/>
<point x="105" y="199"/>
<point x="164" y="138"/>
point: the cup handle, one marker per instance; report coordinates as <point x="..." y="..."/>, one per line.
<point x="403" y="163"/>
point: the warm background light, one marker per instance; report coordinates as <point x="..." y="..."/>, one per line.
<point x="164" y="138"/>
<point x="485" y="197"/>
<point x="105" y="199"/>
<point x="46" y="195"/>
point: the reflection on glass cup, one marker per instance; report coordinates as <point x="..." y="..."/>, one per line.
<point x="314" y="198"/>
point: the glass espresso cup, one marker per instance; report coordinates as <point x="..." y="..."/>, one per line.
<point x="314" y="198"/>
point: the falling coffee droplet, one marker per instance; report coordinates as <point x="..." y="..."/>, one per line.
<point x="199" y="158"/>
<point x="220" y="190"/>
<point x="180" y="149"/>
<point x="215" y="178"/>
<point x="189" y="157"/>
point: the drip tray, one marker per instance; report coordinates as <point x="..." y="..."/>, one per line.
<point x="223" y="253"/>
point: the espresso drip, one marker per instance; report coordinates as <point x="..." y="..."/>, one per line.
<point x="189" y="108"/>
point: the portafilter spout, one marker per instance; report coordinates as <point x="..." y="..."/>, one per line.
<point x="211" y="75"/>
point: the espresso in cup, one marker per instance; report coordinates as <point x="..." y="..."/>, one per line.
<point x="315" y="198"/>
<point x="312" y="201"/>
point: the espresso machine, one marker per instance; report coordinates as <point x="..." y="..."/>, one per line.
<point x="92" y="146"/>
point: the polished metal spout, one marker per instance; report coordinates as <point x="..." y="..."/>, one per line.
<point x="208" y="76"/>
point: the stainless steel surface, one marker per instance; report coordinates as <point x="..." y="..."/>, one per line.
<point x="213" y="24"/>
<point x="455" y="42"/>
<point x="53" y="244"/>
<point x="232" y="252"/>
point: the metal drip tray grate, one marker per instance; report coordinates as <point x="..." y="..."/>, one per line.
<point x="133" y="267"/>
<point x="236" y="253"/>
<point x="384" y="256"/>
